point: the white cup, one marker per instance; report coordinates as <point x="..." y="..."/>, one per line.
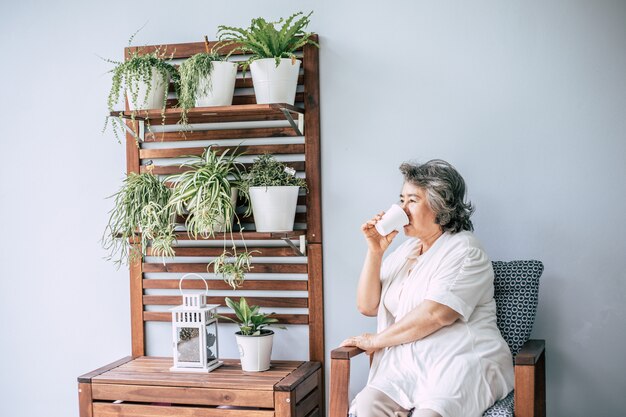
<point x="393" y="219"/>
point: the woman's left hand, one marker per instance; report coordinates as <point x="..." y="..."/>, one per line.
<point x="367" y="342"/>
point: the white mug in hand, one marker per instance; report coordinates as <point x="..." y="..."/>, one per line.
<point x="393" y="219"/>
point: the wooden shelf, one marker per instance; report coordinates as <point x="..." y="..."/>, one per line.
<point x="247" y="235"/>
<point x="241" y="112"/>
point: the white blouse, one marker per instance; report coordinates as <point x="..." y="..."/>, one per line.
<point x="462" y="369"/>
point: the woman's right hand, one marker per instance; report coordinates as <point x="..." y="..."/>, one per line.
<point x="376" y="242"/>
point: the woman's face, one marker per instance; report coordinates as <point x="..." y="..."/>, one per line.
<point x="421" y="217"/>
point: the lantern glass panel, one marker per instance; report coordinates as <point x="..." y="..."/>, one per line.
<point x="211" y="341"/>
<point x="188" y="345"/>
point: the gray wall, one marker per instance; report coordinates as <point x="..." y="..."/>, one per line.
<point x="527" y="99"/>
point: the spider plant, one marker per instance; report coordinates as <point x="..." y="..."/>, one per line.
<point x="232" y="266"/>
<point x="141" y="207"/>
<point x="263" y="40"/>
<point x="205" y="192"/>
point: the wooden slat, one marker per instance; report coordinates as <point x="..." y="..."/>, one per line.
<point x="176" y="169"/>
<point x="138" y="410"/>
<point x="218" y="284"/>
<point x="217" y="251"/>
<point x="283" y="302"/>
<point x="282" y="318"/>
<point x="202" y="267"/>
<point x="307" y="386"/>
<point x="316" y="303"/>
<point x="238" y="100"/>
<point x="239" y="82"/>
<point x="312" y="143"/>
<point x="85" y="404"/>
<point x="221" y="134"/>
<point x="283" y="149"/>
<point x="183" y="395"/>
<point x="530" y="352"/>
<point x="308" y="404"/>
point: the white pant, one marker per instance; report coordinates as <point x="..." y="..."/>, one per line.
<point x="373" y="403"/>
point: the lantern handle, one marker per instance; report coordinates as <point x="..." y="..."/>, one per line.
<point x="180" y="283"/>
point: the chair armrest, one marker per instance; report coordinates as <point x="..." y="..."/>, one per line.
<point x="530" y="353"/>
<point x="530" y="380"/>
<point x="340" y="379"/>
<point x="345" y="352"/>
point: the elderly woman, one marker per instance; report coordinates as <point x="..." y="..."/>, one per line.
<point x="437" y="349"/>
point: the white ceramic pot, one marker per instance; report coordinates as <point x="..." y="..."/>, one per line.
<point x="274" y="84"/>
<point x="274" y="208"/>
<point x="221" y="224"/>
<point x="255" y="351"/>
<point x="222" y="83"/>
<point x="155" y="96"/>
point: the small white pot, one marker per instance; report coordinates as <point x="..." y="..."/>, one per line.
<point x="255" y="351"/>
<point x="155" y="96"/>
<point x="220" y="225"/>
<point x="274" y="208"/>
<point x="222" y="83"/>
<point x="274" y="84"/>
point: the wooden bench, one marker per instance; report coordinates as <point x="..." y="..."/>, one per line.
<point x="143" y="386"/>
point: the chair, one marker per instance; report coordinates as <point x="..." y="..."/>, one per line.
<point x="516" y="293"/>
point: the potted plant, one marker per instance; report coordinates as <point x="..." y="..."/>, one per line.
<point x="273" y="191"/>
<point x="145" y="79"/>
<point x="207" y="193"/>
<point x="206" y="79"/>
<point x="141" y="207"/>
<point x="273" y="63"/>
<point x="253" y="339"/>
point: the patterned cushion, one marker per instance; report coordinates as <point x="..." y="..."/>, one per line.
<point x="516" y="287"/>
<point x="503" y="408"/>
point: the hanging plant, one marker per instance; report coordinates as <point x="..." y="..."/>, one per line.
<point x="141" y="208"/>
<point x="232" y="266"/>
<point x="130" y="75"/>
<point x="196" y="78"/>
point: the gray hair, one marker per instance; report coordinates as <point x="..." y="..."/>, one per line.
<point x="445" y="191"/>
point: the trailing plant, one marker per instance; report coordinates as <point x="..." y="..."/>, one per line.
<point x="250" y="321"/>
<point x="263" y="40"/>
<point x="192" y="71"/>
<point x="130" y="74"/>
<point x="141" y="206"/>
<point x="204" y="191"/>
<point x="232" y="266"/>
<point x="268" y="171"/>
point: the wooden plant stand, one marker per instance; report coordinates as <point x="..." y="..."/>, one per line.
<point x="143" y="386"/>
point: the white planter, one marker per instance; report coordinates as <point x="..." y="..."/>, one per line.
<point x="222" y="88"/>
<point x="155" y="96"/>
<point x="274" y="208"/>
<point x="274" y="84"/>
<point x="255" y="351"/>
<point x="220" y="226"/>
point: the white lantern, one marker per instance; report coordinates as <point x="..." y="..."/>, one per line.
<point x="194" y="331"/>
